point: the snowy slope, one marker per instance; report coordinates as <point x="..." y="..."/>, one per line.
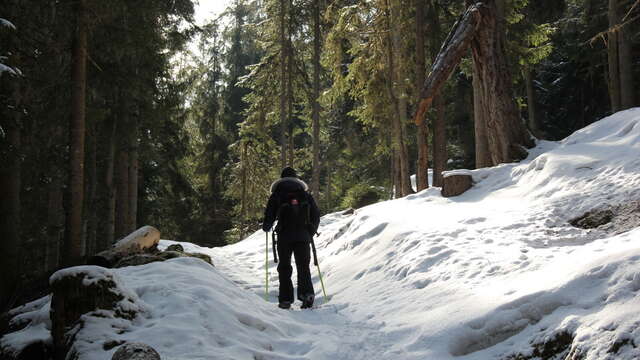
<point x="492" y="274"/>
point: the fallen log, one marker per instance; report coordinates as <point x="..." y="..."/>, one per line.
<point x="142" y="240"/>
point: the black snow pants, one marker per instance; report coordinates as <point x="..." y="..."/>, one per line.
<point x="302" y="253"/>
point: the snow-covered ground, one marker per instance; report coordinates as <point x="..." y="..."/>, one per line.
<point x="495" y="272"/>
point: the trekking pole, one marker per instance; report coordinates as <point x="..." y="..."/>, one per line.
<point x="266" y="266"/>
<point x="315" y="262"/>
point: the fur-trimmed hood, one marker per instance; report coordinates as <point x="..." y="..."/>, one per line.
<point x="293" y="180"/>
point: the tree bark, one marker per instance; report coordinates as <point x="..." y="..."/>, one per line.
<point x="243" y="196"/>
<point x="625" y="47"/>
<point x="133" y="173"/>
<point x="422" y="179"/>
<point x="290" y="72"/>
<point x="55" y="205"/>
<point x="439" y="123"/>
<point x="483" y="158"/>
<point x="75" y="246"/>
<point x="613" y="56"/>
<point x="106" y="210"/>
<point x="55" y="223"/>
<point x="283" y="87"/>
<point x="10" y="183"/>
<point x="507" y="136"/>
<point x="531" y="101"/>
<point x="397" y="177"/>
<point x="91" y="188"/>
<point x="122" y="171"/>
<point x="439" y="143"/>
<point x="398" y="95"/>
<point x="315" y="116"/>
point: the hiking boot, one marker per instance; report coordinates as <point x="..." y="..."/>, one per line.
<point x="284" y="304"/>
<point x="307" y="301"/>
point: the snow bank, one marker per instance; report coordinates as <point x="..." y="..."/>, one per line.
<point x="495" y="273"/>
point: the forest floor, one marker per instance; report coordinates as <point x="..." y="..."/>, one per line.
<point x="499" y="272"/>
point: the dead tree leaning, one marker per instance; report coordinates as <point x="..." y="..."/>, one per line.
<point x="506" y="135"/>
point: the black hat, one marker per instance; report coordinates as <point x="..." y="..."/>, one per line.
<point x="288" y="172"/>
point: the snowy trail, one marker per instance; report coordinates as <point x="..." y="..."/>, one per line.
<point x="335" y="334"/>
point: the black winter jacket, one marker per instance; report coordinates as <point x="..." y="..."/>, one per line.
<point x="288" y="233"/>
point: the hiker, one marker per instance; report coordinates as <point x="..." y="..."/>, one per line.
<point x="298" y="219"/>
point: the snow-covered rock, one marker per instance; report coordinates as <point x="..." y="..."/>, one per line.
<point x="82" y="296"/>
<point x="135" y="351"/>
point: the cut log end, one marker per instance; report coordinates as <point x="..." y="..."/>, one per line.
<point x="455" y="184"/>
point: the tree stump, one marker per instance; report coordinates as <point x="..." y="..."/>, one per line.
<point x="455" y="183"/>
<point x="80" y="290"/>
<point x="136" y="351"/>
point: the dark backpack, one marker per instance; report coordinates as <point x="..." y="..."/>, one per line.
<point x="294" y="210"/>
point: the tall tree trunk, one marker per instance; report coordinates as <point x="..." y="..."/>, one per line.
<point x="55" y="223"/>
<point x="75" y="246"/>
<point x="290" y="72"/>
<point x="397" y="93"/>
<point x="283" y="86"/>
<point x="315" y="116"/>
<point x="291" y="149"/>
<point x="55" y="207"/>
<point x="439" y="142"/>
<point x="107" y="199"/>
<point x="10" y="182"/>
<point x="122" y="171"/>
<point x="243" y="196"/>
<point x="508" y="138"/>
<point x="422" y="181"/>
<point x="422" y="177"/>
<point x="483" y="157"/>
<point x="133" y="173"/>
<point x="397" y="177"/>
<point x="439" y="124"/>
<point x="625" y="45"/>
<point x="613" y="56"/>
<point x="531" y="101"/>
<point x="91" y="188"/>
